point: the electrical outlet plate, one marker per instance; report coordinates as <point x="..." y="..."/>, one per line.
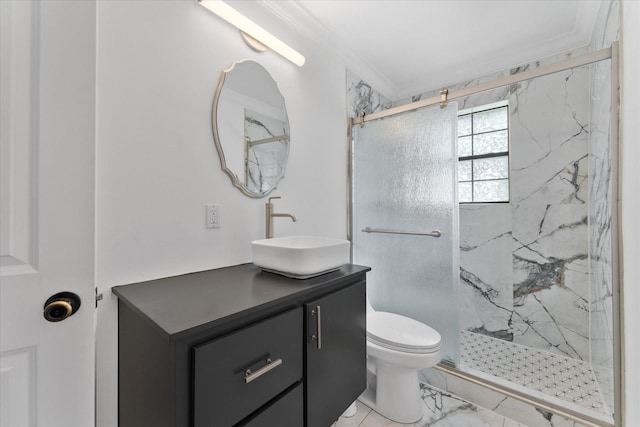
<point x="213" y="215"/>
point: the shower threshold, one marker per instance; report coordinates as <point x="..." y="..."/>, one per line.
<point x="559" y="380"/>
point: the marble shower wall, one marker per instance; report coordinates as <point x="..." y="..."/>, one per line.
<point x="524" y="265"/>
<point x="549" y="188"/>
<point x="486" y="284"/>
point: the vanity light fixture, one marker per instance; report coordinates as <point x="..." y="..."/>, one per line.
<point x="253" y="30"/>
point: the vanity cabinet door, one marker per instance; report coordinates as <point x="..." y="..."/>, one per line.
<point x="336" y="353"/>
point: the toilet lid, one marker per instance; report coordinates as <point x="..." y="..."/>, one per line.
<point x="393" y="330"/>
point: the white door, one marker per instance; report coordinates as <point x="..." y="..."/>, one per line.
<point x="47" y="130"/>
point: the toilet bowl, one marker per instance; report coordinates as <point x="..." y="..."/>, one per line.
<point x="397" y="348"/>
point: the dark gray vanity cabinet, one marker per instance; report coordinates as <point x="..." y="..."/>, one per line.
<point x="240" y="347"/>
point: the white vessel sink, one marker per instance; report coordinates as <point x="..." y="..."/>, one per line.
<point x="300" y="257"/>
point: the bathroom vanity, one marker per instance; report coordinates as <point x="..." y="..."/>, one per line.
<point x="239" y="346"/>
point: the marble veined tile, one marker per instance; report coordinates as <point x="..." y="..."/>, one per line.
<point x="547" y="114"/>
<point x="532" y="416"/>
<point x="549" y="137"/>
<point x="551" y="309"/>
<point x="362" y="97"/>
<point x="551" y="277"/>
<point x="564" y="224"/>
<point x="557" y="179"/>
<point x="561" y="331"/>
<point x="486" y="288"/>
<point x="440" y="408"/>
<point x="447" y="410"/>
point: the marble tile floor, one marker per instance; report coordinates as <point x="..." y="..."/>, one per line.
<point x="441" y="409"/>
<point x="569" y="379"/>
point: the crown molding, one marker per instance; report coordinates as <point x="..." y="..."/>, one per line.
<point x="578" y="37"/>
<point x="296" y="16"/>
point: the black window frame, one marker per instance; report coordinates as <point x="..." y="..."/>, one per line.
<point x="472" y="157"/>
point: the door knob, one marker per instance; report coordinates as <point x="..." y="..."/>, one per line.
<point x="60" y="306"/>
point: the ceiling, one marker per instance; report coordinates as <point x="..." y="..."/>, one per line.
<point x="408" y="47"/>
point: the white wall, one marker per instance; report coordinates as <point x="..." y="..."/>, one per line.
<point x="158" y="66"/>
<point x="630" y="135"/>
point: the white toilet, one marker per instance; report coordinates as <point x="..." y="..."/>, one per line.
<point x="397" y="348"/>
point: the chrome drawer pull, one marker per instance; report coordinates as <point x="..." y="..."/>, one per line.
<point x="250" y="376"/>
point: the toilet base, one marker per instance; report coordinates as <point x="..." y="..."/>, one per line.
<point x="394" y="393"/>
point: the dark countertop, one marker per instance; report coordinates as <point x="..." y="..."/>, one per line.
<point x="186" y="304"/>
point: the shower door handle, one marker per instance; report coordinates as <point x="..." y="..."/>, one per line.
<point x="434" y="233"/>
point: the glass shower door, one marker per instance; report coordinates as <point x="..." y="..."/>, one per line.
<point x="404" y="181"/>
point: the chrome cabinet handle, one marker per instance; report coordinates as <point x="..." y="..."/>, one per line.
<point x="250" y="376"/>
<point x="318" y="338"/>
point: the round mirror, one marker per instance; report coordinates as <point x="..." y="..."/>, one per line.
<point x="250" y="128"/>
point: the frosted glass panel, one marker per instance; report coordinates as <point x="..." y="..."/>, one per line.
<point x="491" y="168"/>
<point x="464" y="146"/>
<point x="465" y="194"/>
<point x="464" y="125"/>
<point x="405" y="178"/>
<point x="485" y="121"/>
<point x="464" y="171"/>
<point x="491" y="191"/>
<point x="492" y="142"/>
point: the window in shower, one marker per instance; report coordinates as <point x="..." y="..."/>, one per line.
<point x="483" y="154"/>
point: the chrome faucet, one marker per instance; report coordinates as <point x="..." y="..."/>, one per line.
<point x="270" y="214"/>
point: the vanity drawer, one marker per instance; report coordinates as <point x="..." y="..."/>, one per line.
<point x="287" y="411"/>
<point x="223" y="394"/>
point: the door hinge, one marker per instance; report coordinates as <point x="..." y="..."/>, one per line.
<point x="99" y="297"/>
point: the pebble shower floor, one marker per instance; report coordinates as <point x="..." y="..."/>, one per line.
<point x="569" y="379"/>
